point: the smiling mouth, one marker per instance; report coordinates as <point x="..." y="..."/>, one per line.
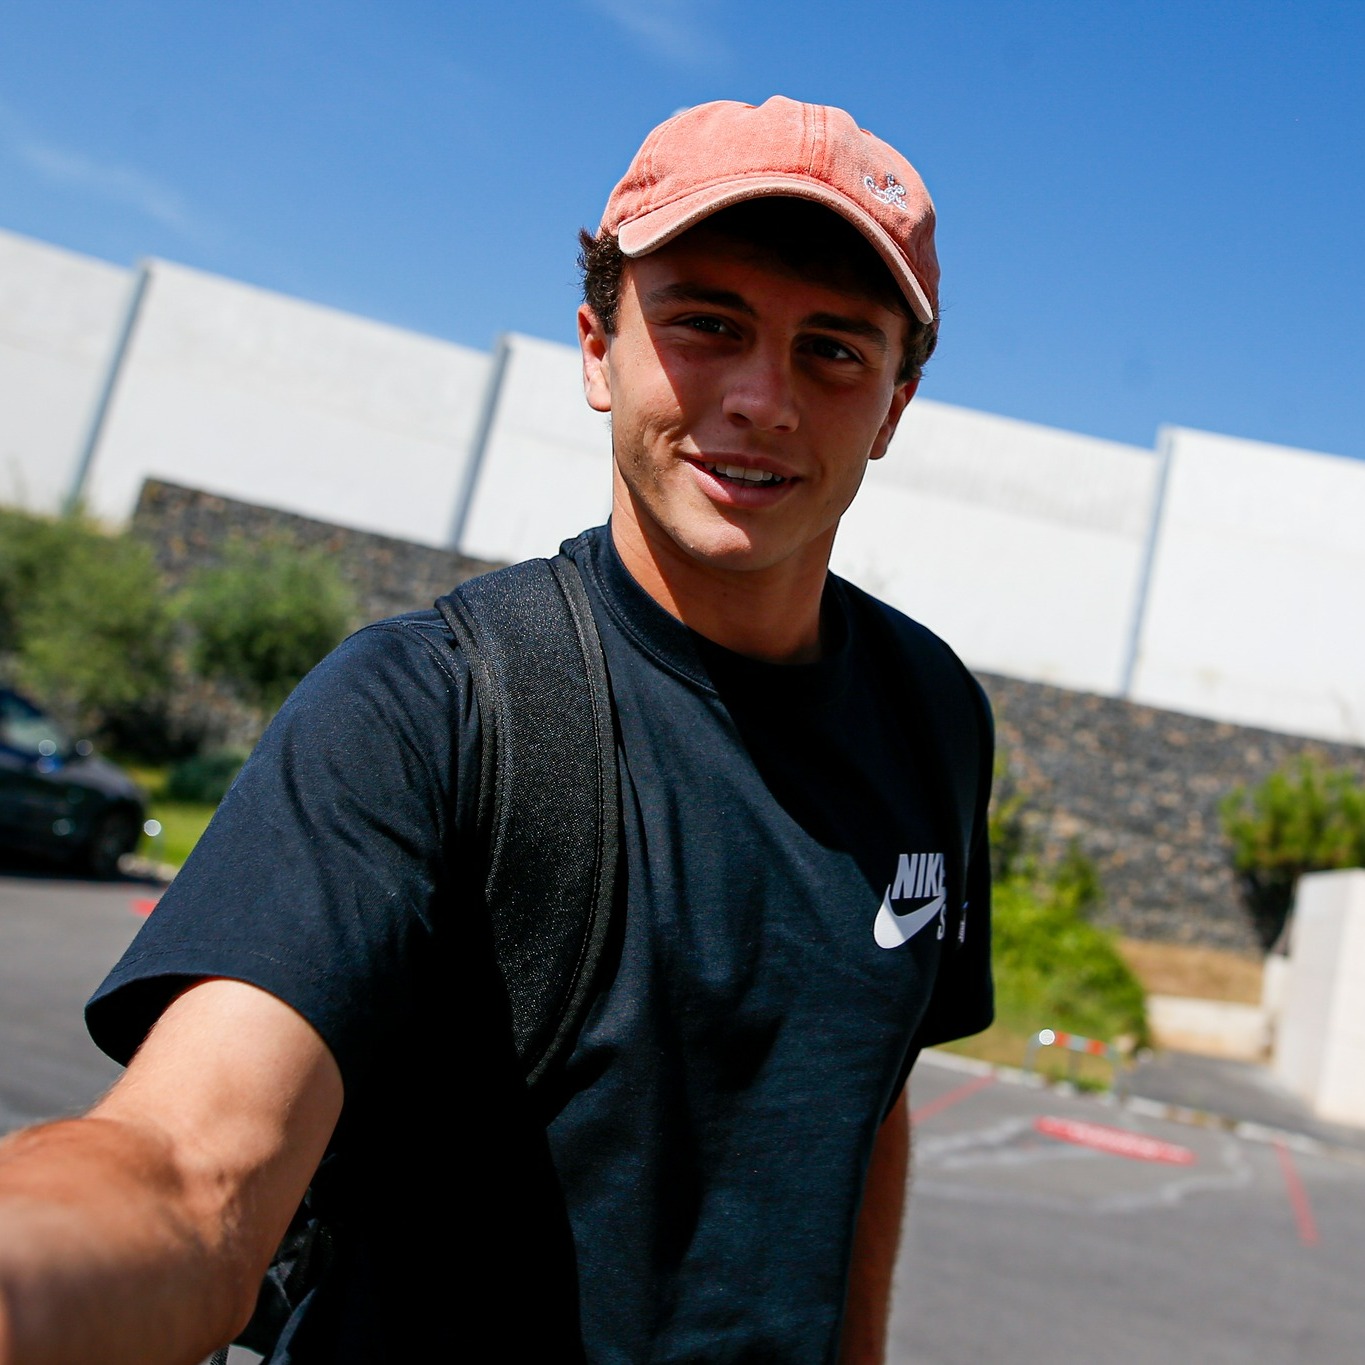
<point x="738" y="474"/>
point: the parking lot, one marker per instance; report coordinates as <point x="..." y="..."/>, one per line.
<point x="1043" y="1227"/>
<point x="1165" y="1242"/>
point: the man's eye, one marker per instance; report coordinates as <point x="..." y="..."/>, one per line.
<point x="827" y="348"/>
<point x="706" y="324"/>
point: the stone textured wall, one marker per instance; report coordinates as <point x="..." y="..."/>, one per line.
<point x="1138" y="788"/>
<point x="188" y="528"/>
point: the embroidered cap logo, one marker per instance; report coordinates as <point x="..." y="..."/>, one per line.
<point x="893" y="193"/>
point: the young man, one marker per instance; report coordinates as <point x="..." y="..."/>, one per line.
<point x="716" y="1172"/>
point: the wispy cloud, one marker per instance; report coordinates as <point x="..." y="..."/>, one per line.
<point x="114" y="183"/>
<point x="671" y="29"/>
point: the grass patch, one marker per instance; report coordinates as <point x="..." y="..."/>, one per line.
<point x="1001" y="1045"/>
<point x="181" y="825"/>
<point x="182" y="822"/>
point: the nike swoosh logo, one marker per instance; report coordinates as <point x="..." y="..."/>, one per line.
<point x="891" y="929"/>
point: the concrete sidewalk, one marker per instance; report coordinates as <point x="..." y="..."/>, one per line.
<point x="1232" y="1093"/>
<point x="1210" y="1092"/>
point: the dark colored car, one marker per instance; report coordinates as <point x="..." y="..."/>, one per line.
<point x="58" y="799"/>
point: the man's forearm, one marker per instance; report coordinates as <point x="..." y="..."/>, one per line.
<point x="140" y="1233"/>
<point x="868" y="1306"/>
<point x="102" y="1256"/>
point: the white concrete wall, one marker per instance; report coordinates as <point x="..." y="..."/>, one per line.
<point x="1256" y="610"/>
<point x="1025" y="546"/>
<point x="284" y="403"/>
<point x="1019" y="544"/>
<point x="1320" y="1035"/>
<point x="60" y="316"/>
<point x="546" y="468"/>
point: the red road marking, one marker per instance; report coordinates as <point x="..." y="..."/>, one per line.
<point x="1298" y="1197"/>
<point x="1117" y="1141"/>
<point x="142" y="906"/>
<point x="932" y="1107"/>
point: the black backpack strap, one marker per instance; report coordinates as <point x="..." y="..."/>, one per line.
<point x="549" y="815"/>
<point x="549" y="804"/>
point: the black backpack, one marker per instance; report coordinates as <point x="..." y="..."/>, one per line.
<point x="549" y="818"/>
<point x="549" y="815"/>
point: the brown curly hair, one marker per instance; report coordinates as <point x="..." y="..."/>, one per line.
<point x="798" y="235"/>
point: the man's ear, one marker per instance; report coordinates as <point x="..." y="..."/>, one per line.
<point x="595" y="345"/>
<point x="900" y="400"/>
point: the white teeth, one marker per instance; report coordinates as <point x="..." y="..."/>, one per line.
<point x="739" y="472"/>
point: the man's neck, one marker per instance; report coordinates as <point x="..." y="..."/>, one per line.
<point x="771" y="613"/>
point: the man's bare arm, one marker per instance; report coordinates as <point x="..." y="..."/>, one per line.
<point x="140" y="1232"/>
<point x="875" y="1242"/>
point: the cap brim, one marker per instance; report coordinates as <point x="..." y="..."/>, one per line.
<point x="659" y="226"/>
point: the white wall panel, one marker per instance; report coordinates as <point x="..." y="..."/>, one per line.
<point x="546" y="468"/>
<point x="1320" y="1038"/>
<point x="1024" y="546"/>
<point x="275" y="401"/>
<point x="1255" y="607"/>
<point x="60" y="316"/>
<point x="1019" y="544"/>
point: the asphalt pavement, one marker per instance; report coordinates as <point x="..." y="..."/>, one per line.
<point x="1049" y="1227"/>
<point x="58" y="938"/>
<point x="1208" y="1218"/>
<point x="1214" y="1089"/>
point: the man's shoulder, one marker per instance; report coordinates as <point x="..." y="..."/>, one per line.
<point x="910" y="642"/>
<point x="414" y="649"/>
<point x="401" y="680"/>
<point x="411" y="630"/>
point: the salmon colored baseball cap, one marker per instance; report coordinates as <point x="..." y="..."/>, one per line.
<point x="714" y="155"/>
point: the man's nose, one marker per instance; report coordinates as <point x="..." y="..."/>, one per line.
<point x="760" y="392"/>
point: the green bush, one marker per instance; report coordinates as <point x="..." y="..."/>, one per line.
<point x="1054" y="969"/>
<point x="84" y="617"/>
<point x="1074" y="882"/>
<point x="1012" y="849"/>
<point x="204" y="778"/>
<point x="264" y="617"/>
<point x="1304" y="818"/>
<point x="28" y="546"/>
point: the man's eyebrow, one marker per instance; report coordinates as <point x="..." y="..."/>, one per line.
<point x="682" y="292"/>
<point x="858" y="327"/>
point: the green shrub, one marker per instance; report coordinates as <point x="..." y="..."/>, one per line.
<point x="1075" y="882"/>
<point x="29" y="546"/>
<point x="1304" y="818"/>
<point x="84" y="616"/>
<point x="1054" y="969"/>
<point x="204" y="778"/>
<point x="264" y="617"/>
<point x="1012" y="849"/>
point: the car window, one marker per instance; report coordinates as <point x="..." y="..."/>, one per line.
<point x="25" y="728"/>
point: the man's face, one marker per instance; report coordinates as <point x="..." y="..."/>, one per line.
<point x="745" y="404"/>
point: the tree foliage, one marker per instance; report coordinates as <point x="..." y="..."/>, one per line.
<point x="84" y="617"/>
<point x="264" y="617"/>
<point x="1305" y="817"/>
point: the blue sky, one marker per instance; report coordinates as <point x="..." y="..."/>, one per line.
<point x="1149" y="212"/>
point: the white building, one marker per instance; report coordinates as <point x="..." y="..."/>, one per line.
<point x="1211" y="575"/>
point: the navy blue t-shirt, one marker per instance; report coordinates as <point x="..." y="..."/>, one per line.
<point x="788" y="944"/>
